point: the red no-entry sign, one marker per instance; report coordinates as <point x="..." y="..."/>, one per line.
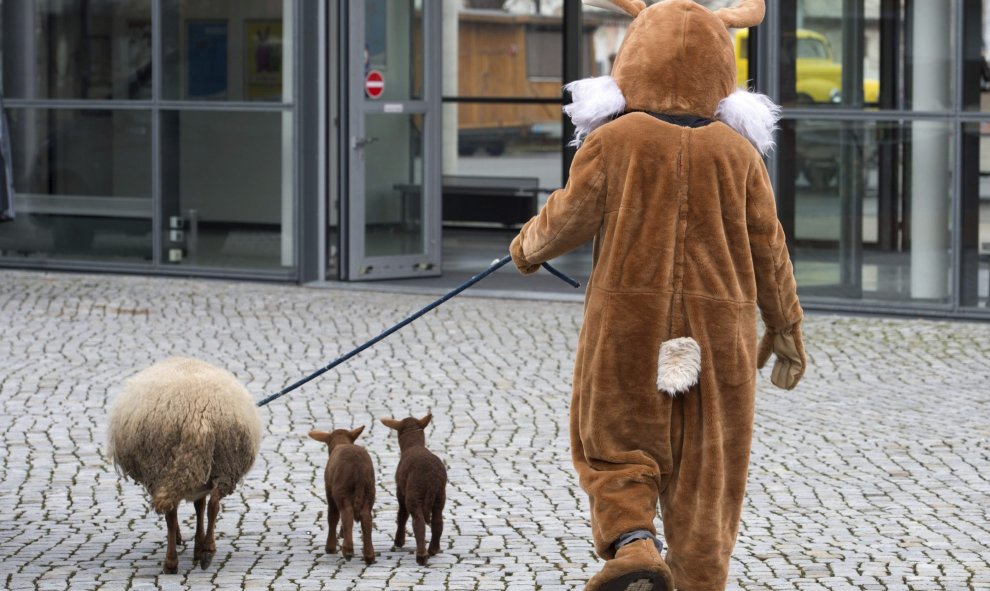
<point x="374" y="84"/>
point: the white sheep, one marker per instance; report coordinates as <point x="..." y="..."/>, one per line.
<point x="185" y="430"/>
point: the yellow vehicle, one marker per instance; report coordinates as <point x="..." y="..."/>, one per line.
<point x="819" y="76"/>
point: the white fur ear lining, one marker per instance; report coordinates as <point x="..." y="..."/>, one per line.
<point x="752" y="115"/>
<point x="678" y="365"/>
<point x="594" y="101"/>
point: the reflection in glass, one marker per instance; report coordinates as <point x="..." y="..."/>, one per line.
<point x="226" y="50"/>
<point x="227" y="189"/>
<point x="394" y="47"/>
<point x="75" y="49"/>
<point x="82" y="182"/>
<point x="864" y="225"/>
<point x="393" y="164"/>
<point x="830" y="57"/>
<point x="976" y="216"/>
<point x="504" y="54"/>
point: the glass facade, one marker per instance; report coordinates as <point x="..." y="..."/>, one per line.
<point x="114" y="161"/>
<point x="83" y="182"/>
<point x="877" y="168"/>
<point x="169" y="135"/>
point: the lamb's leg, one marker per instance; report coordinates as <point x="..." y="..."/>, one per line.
<point x="436" y="525"/>
<point x="333" y="516"/>
<point x="210" y="543"/>
<point x="171" y="564"/>
<point x="367" y="550"/>
<point x="347" y="531"/>
<point x="200" y="505"/>
<point x="400" y="530"/>
<point x="419" y="531"/>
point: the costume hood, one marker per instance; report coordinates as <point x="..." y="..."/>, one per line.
<point x="677" y="59"/>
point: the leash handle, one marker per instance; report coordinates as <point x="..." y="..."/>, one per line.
<point x="561" y="276"/>
<point x="495" y="266"/>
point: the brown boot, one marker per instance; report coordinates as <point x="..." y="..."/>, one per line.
<point x="637" y="566"/>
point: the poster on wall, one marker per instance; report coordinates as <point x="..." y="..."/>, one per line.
<point x="263" y="60"/>
<point x="207" y="58"/>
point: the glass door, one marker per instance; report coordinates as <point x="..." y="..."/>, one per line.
<point x="392" y="194"/>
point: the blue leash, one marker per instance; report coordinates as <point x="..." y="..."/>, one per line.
<point x="491" y="269"/>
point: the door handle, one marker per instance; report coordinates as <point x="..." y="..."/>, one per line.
<point x="357" y="144"/>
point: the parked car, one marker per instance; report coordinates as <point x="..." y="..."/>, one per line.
<point x="818" y="76"/>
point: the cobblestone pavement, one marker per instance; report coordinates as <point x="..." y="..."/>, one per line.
<point x="872" y="475"/>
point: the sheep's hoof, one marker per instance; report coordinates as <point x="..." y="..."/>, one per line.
<point x="205" y="560"/>
<point x="347" y="555"/>
<point x="399" y="542"/>
<point x="434" y="551"/>
<point x="421" y="559"/>
<point x="330" y="549"/>
<point x="170" y="568"/>
<point x="369" y="559"/>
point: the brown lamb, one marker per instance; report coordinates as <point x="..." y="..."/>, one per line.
<point x="350" y="484"/>
<point x="421" y="486"/>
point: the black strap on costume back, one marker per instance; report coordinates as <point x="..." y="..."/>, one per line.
<point x="495" y="266"/>
<point x="692" y="121"/>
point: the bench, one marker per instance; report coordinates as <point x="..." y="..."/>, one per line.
<point x="506" y="201"/>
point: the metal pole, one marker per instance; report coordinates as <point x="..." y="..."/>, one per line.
<point x="932" y="82"/>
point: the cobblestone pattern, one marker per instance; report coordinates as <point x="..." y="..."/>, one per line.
<point x="872" y="475"/>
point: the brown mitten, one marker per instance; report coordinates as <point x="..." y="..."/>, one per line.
<point x="515" y="249"/>
<point x="786" y="343"/>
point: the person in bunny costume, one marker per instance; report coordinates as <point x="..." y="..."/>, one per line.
<point x="669" y="180"/>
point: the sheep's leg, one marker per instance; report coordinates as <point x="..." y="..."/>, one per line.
<point x="200" y="505"/>
<point x="171" y="564"/>
<point x="400" y="531"/>
<point x="367" y="550"/>
<point x="347" y="531"/>
<point x="209" y="542"/>
<point x="333" y="516"/>
<point x="178" y="532"/>
<point x="436" y="525"/>
<point x="419" y="530"/>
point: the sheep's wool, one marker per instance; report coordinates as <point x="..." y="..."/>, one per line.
<point x="181" y="427"/>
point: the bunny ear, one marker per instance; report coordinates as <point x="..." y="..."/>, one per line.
<point x="745" y="14"/>
<point x="630" y="7"/>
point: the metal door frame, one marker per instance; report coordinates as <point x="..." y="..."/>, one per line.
<point x="355" y="264"/>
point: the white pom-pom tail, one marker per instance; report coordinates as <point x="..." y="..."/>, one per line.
<point x="678" y="366"/>
<point x="594" y="101"/>
<point x="753" y="115"/>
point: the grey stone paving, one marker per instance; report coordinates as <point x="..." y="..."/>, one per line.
<point x="872" y="475"/>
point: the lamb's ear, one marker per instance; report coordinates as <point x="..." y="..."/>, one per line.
<point x="321" y="436"/>
<point x="355" y="433"/>
<point x="423" y="422"/>
<point x="391" y="423"/>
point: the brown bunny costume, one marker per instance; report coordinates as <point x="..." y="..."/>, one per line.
<point x="670" y="182"/>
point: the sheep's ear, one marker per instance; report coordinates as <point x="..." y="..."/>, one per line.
<point x="423" y="422"/>
<point x="321" y="436"/>
<point x="391" y="423"/>
<point x="355" y="433"/>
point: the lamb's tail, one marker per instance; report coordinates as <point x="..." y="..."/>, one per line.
<point x="364" y="495"/>
<point x="429" y="502"/>
<point x="188" y="471"/>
